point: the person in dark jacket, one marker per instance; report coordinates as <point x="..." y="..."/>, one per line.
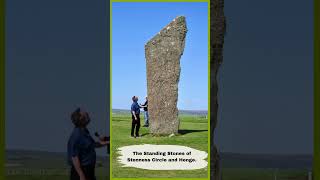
<point x="146" y="114"/>
<point x="135" y="114"/>
<point x="81" y="148"/>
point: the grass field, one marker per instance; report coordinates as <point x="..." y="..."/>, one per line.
<point x="193" y="133"/>
<point x="40" y="165"/>
<point x="50" y="174"/>
<point x="263" y="174"/>
<point x="37" y="165"/>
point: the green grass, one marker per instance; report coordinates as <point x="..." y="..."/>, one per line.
<point x="50" y="174"/>
<point x="38" y="165"/>
<point x="263" y="174"/>
<point x="194" y="134"/>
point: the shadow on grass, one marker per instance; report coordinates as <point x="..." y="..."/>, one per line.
<point x="144" y="134"/>
<point x="187" y="131"/>
<point x="180" y="132"/>
<point x="119" y="120"/>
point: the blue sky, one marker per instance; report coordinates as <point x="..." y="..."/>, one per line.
<point x="133" y="24"/>
<point x="56" y="61"/>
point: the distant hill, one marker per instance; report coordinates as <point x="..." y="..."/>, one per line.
<point x="236" y="160"/>
<point x="181" y="112"/>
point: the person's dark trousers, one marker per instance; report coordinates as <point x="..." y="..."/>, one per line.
<point x="135" y="125"/>
<point x="87" y="170"/>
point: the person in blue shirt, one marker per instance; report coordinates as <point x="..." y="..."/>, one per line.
<point x="81" y="148"/>
<point x="135" y="112"/>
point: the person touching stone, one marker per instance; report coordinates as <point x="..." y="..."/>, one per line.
<point x="146" y="114"/>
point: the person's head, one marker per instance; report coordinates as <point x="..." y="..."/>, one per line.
<point x="79" y="118"/>
<point x="135" y="98"/>
<point x="147" y="98"/>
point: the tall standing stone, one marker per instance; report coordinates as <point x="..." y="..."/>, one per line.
<point x="163" y="53"/>
<point x="217" y="32"/>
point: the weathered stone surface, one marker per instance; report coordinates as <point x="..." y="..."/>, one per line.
<point x="217" y="32"/>
<point x="163" y="53"/>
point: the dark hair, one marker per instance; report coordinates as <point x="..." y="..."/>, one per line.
<point x="133" y="98"/>
<point x="78" y="119"/>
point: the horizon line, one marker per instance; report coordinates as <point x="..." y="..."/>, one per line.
<point x="178" y="109"/>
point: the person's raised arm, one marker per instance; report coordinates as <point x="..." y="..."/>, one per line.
<point x="144" y="104"/>
<point x="103" y="141"/>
